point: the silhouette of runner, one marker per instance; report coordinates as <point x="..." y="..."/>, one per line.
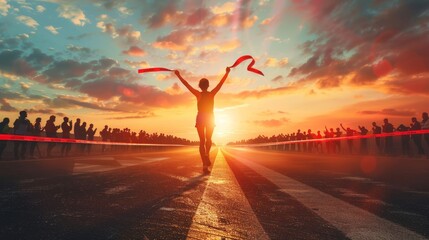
<point x="205" y="117"/>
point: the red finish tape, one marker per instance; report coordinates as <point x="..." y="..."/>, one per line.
<point x="11" y="137"/>
<point x="237" y="62"/>
<point x="382" y="135"/>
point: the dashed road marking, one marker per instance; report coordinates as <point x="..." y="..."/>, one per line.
<point x="355" y="222"/>
<point x="224" y="212"/>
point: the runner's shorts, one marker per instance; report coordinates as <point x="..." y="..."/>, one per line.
<point x="205" y="120"/>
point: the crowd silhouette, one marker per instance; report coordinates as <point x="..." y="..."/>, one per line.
<point x="23" y="126"/>
<point x="383" y="145"/>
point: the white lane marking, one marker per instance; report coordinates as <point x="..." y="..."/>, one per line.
<point x="152" y="159"/>
<point x="224" y="211"/>
<point x="85" y="168"/>
<point x="356" y="223"/>
<point x="82" y="167"/>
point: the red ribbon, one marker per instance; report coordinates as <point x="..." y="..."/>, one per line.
<point x="155" y="69"/>
<point x="237" y="62"/>
<point x="250" y="66"/>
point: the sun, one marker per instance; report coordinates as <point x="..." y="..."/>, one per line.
<point x="224" y="126"/>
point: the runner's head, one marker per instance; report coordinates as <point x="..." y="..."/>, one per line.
<point x="204" y="84"/>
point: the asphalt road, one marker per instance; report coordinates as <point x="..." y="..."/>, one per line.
<point x="250" y="194"/>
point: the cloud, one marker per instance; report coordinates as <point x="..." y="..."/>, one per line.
<point x="271" y="122"/>
<point x="163" y="16"/>
<point x="183" y="39"/>
<point x="44" y="111"/>
<point x="197" y="17"/>
<point x="278" y="78"/>
<point x="266" y="21"/>
<point x="52" y="29"/>
<point x="134" y="51"/>
<point x="24" y="87"/>
<point x="62" y="70"/>
<point x="141" y="64"/>
<point x="40" y="8"/>
<point x="83" y="51"/>
<point x="223" y="47"/>
<point x="274" y="62"/>
<point x="141" y="116"/>
<point x="126" y="33"/>
<point x="29" y="21"/>
<point x="259" y="93"/>
<point x="227" y="7"/>
<point x="408" y="86"/>
<point x="12" y="63"/>
<point x="38" y="59"/>
<point x="107" y="88"/>
<point x="360" y="50"/>
<point x="125" y="11"/>
<point x="4" y="7"/>
<point x="6" y="107"/>
<point x="68" y="102"/>
<point x="74" y="14"/>
<point x="174" y="89"/>
<point x="389" y="112"/>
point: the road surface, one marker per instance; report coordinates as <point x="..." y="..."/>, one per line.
<point x="250" y="194"/>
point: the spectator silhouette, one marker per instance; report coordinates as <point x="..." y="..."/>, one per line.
<point x="82" y="135"/>
<point x="21" y="126"/>
<point x="337" y="145"/>
<point x="425" y="126"/>
<point x="377" y="130"/>
<point x="37" y="132"/>
<point x="66" y="127"/>
<point x="76" y="129"/>
<point x="329" y="134"/>
<point x="205" y="117"/>
<point x="417" y="138"/>
<point x="51" y="131"/>
<point x="349" y="133"/>
<point x="4" y="129"/>
<point x="299" y="136"/>
<point x="105" y="136"/>
<point x="319" y="143"/>
<point x="363" y="141"/>
<point x="405" y="140"/>
<point x="388" y="128"/>
<point x="310" y="136"/>
<point x="91" y="132"/>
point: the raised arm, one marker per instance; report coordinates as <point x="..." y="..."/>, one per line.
<point x="343" y="127"/>
<point x="189" y="87"/>
<point x="222" y="81"/>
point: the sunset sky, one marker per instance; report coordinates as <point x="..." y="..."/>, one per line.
<point x="325" y="63"/>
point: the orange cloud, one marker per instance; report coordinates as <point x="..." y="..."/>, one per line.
<point x="227" y="7"/>
<point x="271" y="122"/>
<point x="266" y="21"/>
<point x="134" y="51"/>
<point x="141" y="64"/>
<point x="274" y="62"/>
